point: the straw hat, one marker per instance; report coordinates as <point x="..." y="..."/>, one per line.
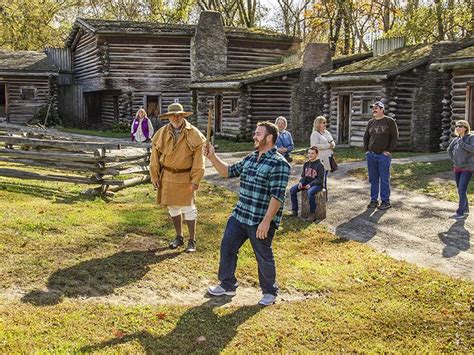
<point x="175" y="109"/>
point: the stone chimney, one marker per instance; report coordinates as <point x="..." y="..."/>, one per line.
<point x="317" y="56"/>
<point x="208" y="46"/>
<point x="309" y="95"/>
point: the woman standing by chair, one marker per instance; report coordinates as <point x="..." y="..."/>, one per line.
<point x="284" y="142"/>
<point x="322" y="139"/>
<point x="461" y="152"/>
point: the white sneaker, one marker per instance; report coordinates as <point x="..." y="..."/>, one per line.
<point x="267" y="300"/>
<point x="457" y="216"/>
<point x="219" y="291"/>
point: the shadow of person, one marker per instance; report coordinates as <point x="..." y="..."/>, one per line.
<point x="196" y="322"/>
<point x="96" y="277"/>
<point x="457" y="238"/>
<point x="362" y="227"/>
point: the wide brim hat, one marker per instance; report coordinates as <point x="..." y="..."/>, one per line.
<point x="175" y="109"/>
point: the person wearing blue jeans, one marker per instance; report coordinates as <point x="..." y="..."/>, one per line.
<point x="380" y="139"/>
<point x="313" y="180"/>
<point x="263" y="176"/>
<point x="461" y="152"/>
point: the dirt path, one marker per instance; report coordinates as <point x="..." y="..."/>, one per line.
<point x="417" y="229"/>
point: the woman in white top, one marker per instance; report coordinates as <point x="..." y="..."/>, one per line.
<point x="322" y="139"/>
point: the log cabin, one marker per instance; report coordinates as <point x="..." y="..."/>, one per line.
<point x="238" y="101"/>
<point x="117" y="67"/>
<point x="399" y="76"/>
<point x="27" y="83"/>
<point x="458" y="100"/>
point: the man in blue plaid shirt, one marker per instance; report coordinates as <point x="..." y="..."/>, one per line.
<point x="264" y="176"/>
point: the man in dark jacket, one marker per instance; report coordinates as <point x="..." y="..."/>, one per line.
<point x="312" y="179"/>
<point x="380" y="139"/>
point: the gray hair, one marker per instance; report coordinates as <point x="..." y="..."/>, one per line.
<point x="281" y="118"/>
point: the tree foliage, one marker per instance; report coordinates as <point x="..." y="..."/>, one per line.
<point x="349" y="26"/>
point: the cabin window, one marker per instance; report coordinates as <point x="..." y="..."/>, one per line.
<point x="366" y="106"/>
<point x="234" y="105"/>
<point x="28" y="93"/>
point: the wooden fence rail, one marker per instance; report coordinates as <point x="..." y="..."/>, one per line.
<point x="110" y="165"/>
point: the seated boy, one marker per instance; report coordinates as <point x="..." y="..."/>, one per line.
<point x="312" y="179"/>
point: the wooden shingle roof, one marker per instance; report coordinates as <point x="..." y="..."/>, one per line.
<point x="165" y="29"/>
<point x="251" y="76"/>
<point x="382" y="66"/>
<point x="23" y="62"/>
<point x="463" y="58"/>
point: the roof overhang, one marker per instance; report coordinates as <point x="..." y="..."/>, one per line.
<point x="17" y="73"/>
<point x="216" y="85"/>
<point x="345" y="78"/>
<point x="454" y="64"/>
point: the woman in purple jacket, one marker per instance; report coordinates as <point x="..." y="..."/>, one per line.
<point x="142" y="129"/>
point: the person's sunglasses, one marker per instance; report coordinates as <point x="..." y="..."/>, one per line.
<point x="459" y="126"/>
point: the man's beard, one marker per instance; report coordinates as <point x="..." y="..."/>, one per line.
<point x="259" y="144"/>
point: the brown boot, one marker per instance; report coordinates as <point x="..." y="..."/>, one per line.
<point x="311" y="217"/>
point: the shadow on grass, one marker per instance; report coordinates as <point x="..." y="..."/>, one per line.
<point x="96" y="277"/>
<point x="456" y="239"/>
<point x="49" y="193"/>
<point x="361" y="228"/>
<point x="200" y="321"/>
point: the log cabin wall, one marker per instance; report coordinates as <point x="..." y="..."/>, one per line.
<point x="460" y="82"/>
<point x="231" y="118"/>
<point x="147" y="67"/>
<point x="361" y="94"/>
<point x="244" y="55"/>
<point x="71" y="105"/>
<point x="86" y="59"/>
<point x="270" y="99"/>
<point x="402" y="91"/>
<point x="25" y="96"/>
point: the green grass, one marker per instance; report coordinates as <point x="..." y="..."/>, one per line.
<point x="99" y="133"/>
<point x="64" y="250"/>
<point x="421" y="177"/>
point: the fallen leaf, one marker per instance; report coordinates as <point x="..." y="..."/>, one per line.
<point x="201" y="339"/>
<point x="119" y="334"/>
<point x="160" y="315"/>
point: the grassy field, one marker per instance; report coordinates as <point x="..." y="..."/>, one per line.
<point x="76" y="274"/>
<point x="424" y="178"/>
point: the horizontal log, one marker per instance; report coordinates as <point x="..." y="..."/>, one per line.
<point x="66" y="145"/>
<point x="20" y="174"/>
<point x="131" y="182"/>
<point x="48" y="155"/>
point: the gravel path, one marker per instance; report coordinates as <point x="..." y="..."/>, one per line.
<point x="416" y="229"/>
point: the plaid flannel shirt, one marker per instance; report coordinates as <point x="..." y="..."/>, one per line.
<point x="260" y="180"/>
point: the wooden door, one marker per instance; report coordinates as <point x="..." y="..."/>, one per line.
<point x="153" y="106"/>
<point x="344" y="113"/>
<point x="93" y="109"/>
<point x="3" y="100"/>
<point x="217" y="114"/>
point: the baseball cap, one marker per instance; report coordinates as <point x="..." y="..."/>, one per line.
<point x="379" y="104"/>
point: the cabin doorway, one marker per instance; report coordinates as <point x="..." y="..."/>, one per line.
<point x="93" y="103"/>
<point x="343" y="127"/>
<point x="153" y="109"/>
<point x="217" y="114"/>
<point x="470" y="105"/>
<point x="3" y="100"/>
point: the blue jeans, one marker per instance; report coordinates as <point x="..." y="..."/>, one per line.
<point x="235" y="235"/>
<point x="378" y="166"/>
<point x="462" y="182"/>
<point x="311" y="197"/>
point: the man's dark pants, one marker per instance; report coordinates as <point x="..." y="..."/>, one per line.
<point x="235" y="235"/>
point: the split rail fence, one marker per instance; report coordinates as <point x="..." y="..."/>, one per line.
<point x="68" y="158"/>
